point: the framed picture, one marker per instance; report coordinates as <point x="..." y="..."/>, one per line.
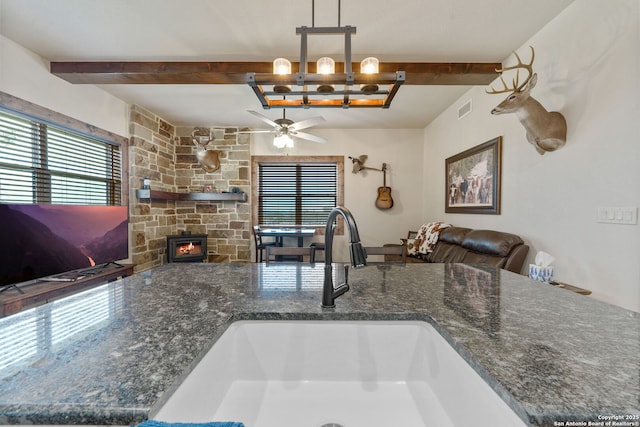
<point x="473" y="179"/>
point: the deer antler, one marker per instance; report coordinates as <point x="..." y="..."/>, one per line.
<point x="516" y="87"/>
<point x="208" y="159"/>
<point x="202" y="136"/>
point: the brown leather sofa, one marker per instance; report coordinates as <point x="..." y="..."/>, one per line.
<point x="464" y="245"/>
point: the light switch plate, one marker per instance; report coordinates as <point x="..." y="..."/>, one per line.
<point x="618" y="215"/>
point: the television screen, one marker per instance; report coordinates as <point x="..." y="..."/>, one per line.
<point x="37" y="241"/>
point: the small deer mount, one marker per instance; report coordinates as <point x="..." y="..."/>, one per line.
<point x="358" y="164"/>
<point x="546" y="131"/>
<point x="207" y="158"/>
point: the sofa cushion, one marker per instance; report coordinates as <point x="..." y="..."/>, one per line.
<point x="445" y="252"/>
<point x="491" y="242"/>
<point x="449" y="247"/>
<point x="453" y="235"/>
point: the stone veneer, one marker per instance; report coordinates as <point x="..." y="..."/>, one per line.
<point x="166" y="155"/>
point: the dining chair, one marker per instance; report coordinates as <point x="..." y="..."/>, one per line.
<point x="287" y="253"/>
<point x="259" y="243"/>
<point x="392" y="253"/>
<point x="319" y="247"/>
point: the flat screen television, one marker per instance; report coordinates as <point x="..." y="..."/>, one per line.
<point x="41" y="241"/>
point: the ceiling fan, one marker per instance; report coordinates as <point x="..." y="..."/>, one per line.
<point x="285" y="129"/>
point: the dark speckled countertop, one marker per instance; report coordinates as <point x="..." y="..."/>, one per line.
<point x="112" y="355"/>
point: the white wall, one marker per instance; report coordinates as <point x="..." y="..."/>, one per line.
<point x="26" y="75"/>
<point x="588" y="63"/>
<point x="401" y="149"/>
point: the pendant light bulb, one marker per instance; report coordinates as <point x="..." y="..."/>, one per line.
<point x="281" y="66"/>
<point x="369" y="65"/>
<point x="325" y="65"/>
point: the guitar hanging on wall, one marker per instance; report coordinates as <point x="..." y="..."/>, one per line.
<point x="384" y="200"/>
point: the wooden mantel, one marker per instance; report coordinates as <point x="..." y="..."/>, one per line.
<point x="205" y="196"/>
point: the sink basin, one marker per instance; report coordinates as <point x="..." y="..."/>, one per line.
<point x="335" y="373"/>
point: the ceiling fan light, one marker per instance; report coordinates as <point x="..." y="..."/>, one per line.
<point x="283" y="141"/>
<point x="281" y="66"/>
<point x="369" y="65"/>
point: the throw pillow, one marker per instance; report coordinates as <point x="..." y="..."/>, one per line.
<point x="412" y="247"/>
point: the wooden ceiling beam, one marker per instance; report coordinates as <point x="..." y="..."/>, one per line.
<point x="417" y="73"/>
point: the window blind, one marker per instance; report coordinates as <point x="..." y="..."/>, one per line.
<point x="296" y="193"/>
<point x="42" y="163"/>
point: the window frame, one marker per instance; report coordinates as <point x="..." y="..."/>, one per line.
<point x="256" y="161"/>
<point x="46" y="117"/>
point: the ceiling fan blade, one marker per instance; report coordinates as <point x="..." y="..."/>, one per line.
<point x="265" y="119"/>
<point x="256" y="131"/>
<point x="309" y="137"/>
<point x="306" y="123"/>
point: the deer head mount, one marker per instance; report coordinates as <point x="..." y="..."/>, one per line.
<point x="546" y="131"/>
<point x="207" y="158"/>
<point x="358" y="164"/>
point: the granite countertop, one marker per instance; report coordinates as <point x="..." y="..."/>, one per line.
<point x="112" y="355"/>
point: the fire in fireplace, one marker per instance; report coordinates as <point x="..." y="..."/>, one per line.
<point x="187" y="248"/>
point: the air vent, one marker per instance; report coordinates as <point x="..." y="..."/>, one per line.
<point x="464" y="109"/>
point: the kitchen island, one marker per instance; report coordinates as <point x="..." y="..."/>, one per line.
<point x="113" y="354"/>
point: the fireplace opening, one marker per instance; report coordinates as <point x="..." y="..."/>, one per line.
<point x="187" y="248"/>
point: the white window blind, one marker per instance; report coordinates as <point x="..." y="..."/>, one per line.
<point x="296" y="193"/>
<point x="43" y="163"/>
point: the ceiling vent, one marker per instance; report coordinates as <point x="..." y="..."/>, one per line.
<point x="464" y="109"/>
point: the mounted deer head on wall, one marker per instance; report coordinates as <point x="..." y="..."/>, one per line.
<point x="358" y="164"/>
<point x="546" y="131"/>
<point x="207" y="158"/>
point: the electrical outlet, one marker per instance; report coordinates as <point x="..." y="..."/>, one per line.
<point x="618" y="215"/>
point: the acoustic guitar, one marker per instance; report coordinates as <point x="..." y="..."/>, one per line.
<point x="384" y="200"/>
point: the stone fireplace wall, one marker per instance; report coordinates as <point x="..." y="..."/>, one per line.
<point x="227" y="222"/>
<point x="166" y="155"/>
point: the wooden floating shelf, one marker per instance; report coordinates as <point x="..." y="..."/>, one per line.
<point x="205" y="196"/>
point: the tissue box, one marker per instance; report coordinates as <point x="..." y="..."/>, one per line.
<point x="539" y="273"/>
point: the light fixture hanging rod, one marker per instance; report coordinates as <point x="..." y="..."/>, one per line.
<point x="346" y="30"/>
<point x="313" y="12"/>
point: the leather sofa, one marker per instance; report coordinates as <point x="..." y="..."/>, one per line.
<point x="464" y="245"/>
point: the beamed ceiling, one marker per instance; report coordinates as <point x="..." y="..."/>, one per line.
<point x="186" y="60"/>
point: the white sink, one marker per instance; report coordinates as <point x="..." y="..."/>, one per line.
<point x="336" y="373"/>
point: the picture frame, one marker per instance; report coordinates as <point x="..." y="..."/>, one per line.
<point x="472" y="179"/>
